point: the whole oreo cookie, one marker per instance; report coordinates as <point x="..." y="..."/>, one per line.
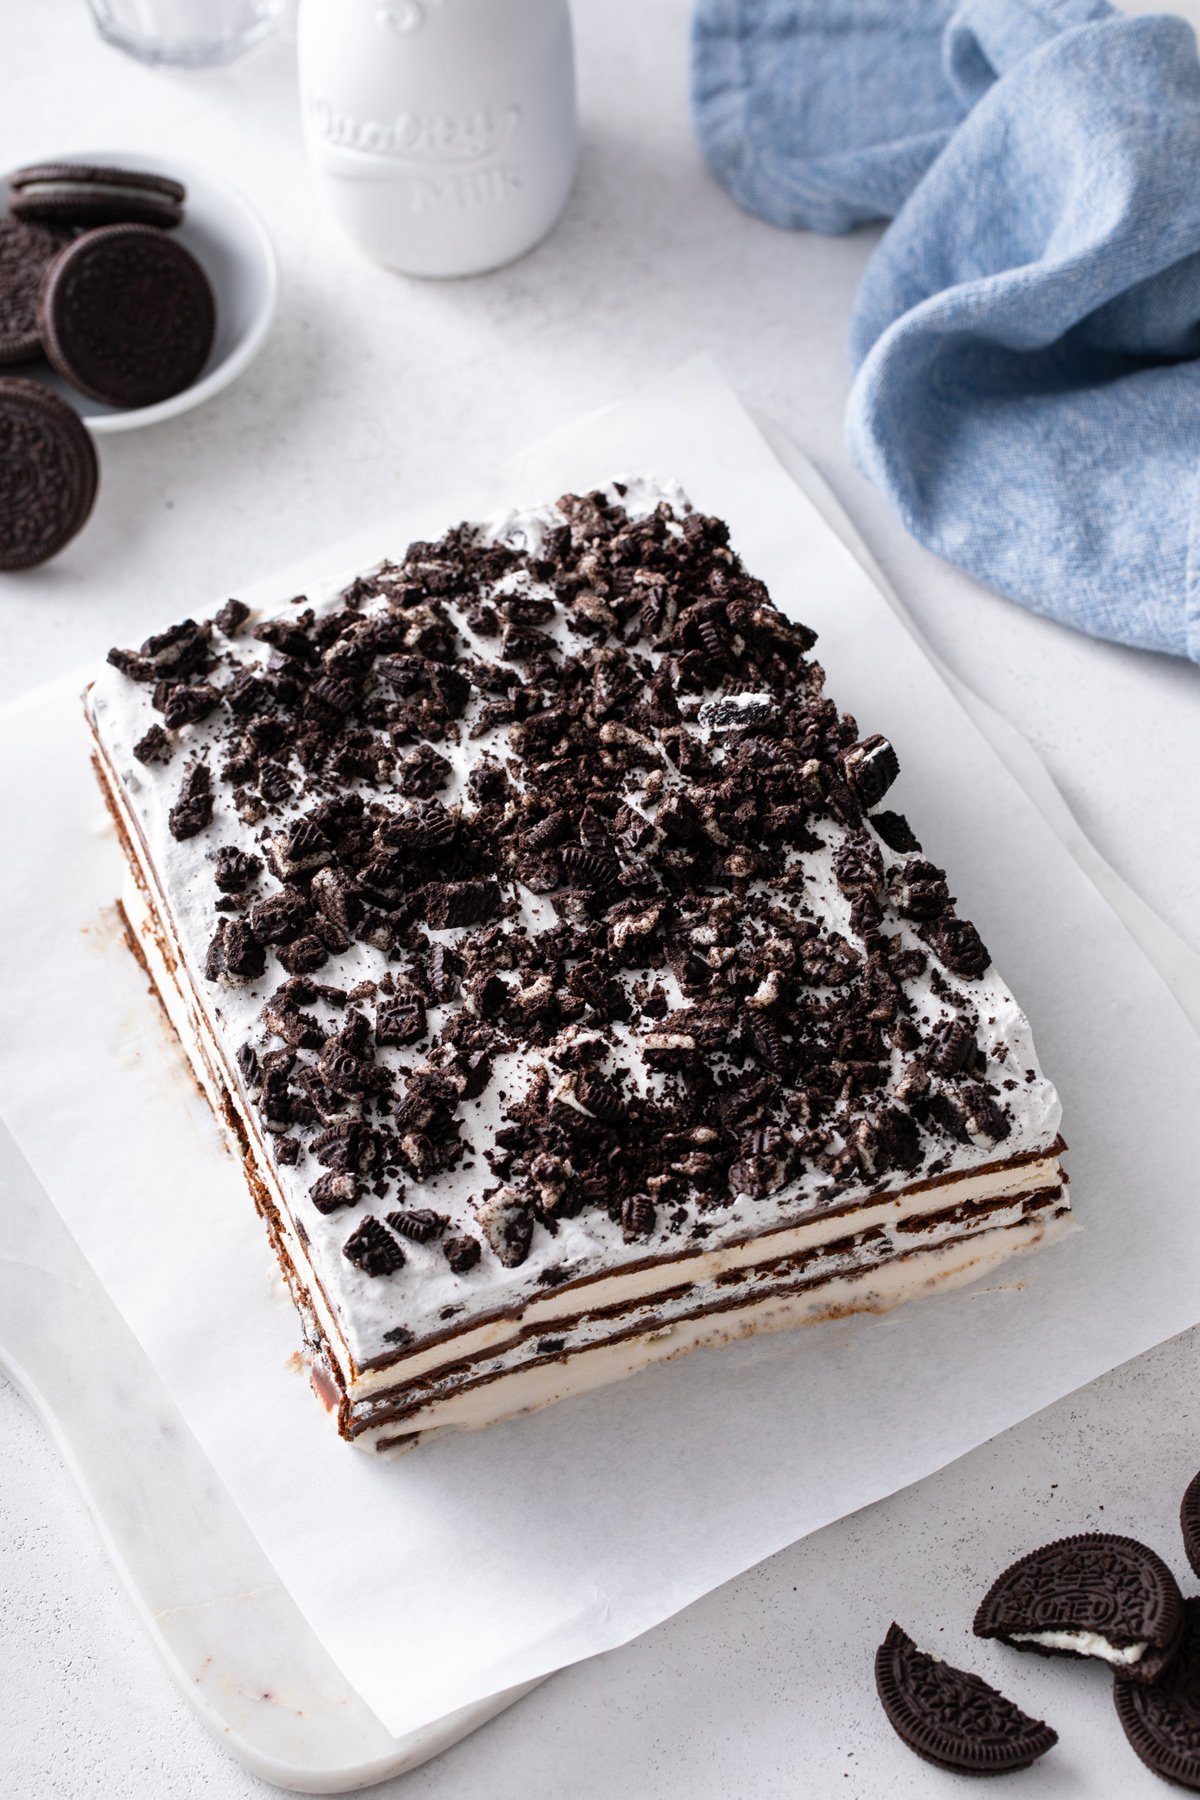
<point x="26" y="252"/>
<point x="1162" y="1721"/>
<point x="83" y="194"/>
<point x="1189" y="1520"/>
<point x="1095" y="1595"/>
<point x="48" y="473"/>
<point x="953" y="1718"/>
<point x="127" y="315"/>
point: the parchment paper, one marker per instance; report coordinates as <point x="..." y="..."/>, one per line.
<point x="487" y="1559"/>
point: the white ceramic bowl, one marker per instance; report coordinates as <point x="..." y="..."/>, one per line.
<point x="230" y="242"/>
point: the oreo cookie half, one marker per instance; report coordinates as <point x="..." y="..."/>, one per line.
<point x="1095" y="1595"/>
<point x="953" y="1718"/>
<point x="1162" y="1721"/>
<point x="1189" y="1520"/>
<point x="896" y="832"/>
<point x="48" y="473"/>
<point x="84" y="194"/>
<point x="26" y="252"/>
<point x="127" y="315"/>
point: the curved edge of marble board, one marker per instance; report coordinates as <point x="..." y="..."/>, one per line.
<point x="232" y="1637"/>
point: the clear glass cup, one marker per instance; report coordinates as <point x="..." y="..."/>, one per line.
<point x="185" y="33"/>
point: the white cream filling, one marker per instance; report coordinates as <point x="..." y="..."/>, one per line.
<point x="66" y="189"/>
<point x="1084" y="1643"/>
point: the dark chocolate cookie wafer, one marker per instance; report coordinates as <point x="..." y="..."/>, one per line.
<point x="84" y="194"/>
<point x="127" y="315"/>
<point x="1095" y="1595"/>
<point x="952" y="1718"/>
<point x="47" y="473"/>
<point x="26" y="252"/>
<point x="1162" y="1722"/>
<point x="1189" y="1519"/>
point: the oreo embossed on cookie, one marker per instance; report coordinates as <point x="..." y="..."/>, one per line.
<point x="1094" y="1595"/>
<point x="48" y="473"/>
<point x="69" y="193"/>
<point x="1162" y="1720"/>
<point x="953" y="1718"/>
<point x="26" y="252"/>
<point x="127" y="315"/>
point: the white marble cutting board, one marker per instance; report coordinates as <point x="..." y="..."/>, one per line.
<point x="229" y="1631"/>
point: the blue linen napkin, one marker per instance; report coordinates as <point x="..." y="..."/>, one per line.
<point x="1025" y="393"/>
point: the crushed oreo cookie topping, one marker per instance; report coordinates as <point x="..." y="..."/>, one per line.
<point x="551" y="874"/>
<point x="372" y="1249"/>
<point x="193" y="810"/>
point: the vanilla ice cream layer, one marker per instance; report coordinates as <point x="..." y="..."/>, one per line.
<point x="854" y="1259"/>
<point x="921" y="1272"/>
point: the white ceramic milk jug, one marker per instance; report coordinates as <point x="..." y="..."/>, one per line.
<point x="441" y="132"/>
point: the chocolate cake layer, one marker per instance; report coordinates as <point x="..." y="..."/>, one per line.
<point x="532" y="916"/>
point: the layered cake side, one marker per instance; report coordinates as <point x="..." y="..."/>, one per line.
<point x="533" y="922"/>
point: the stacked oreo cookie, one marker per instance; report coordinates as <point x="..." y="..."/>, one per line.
<point x="1095" y="1596"/>
<point x="92" y="282"/>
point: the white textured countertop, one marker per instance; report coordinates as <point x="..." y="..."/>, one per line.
<point x="372" y="391"/>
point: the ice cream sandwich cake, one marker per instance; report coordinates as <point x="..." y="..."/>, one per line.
<point x="532" y="921"/>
